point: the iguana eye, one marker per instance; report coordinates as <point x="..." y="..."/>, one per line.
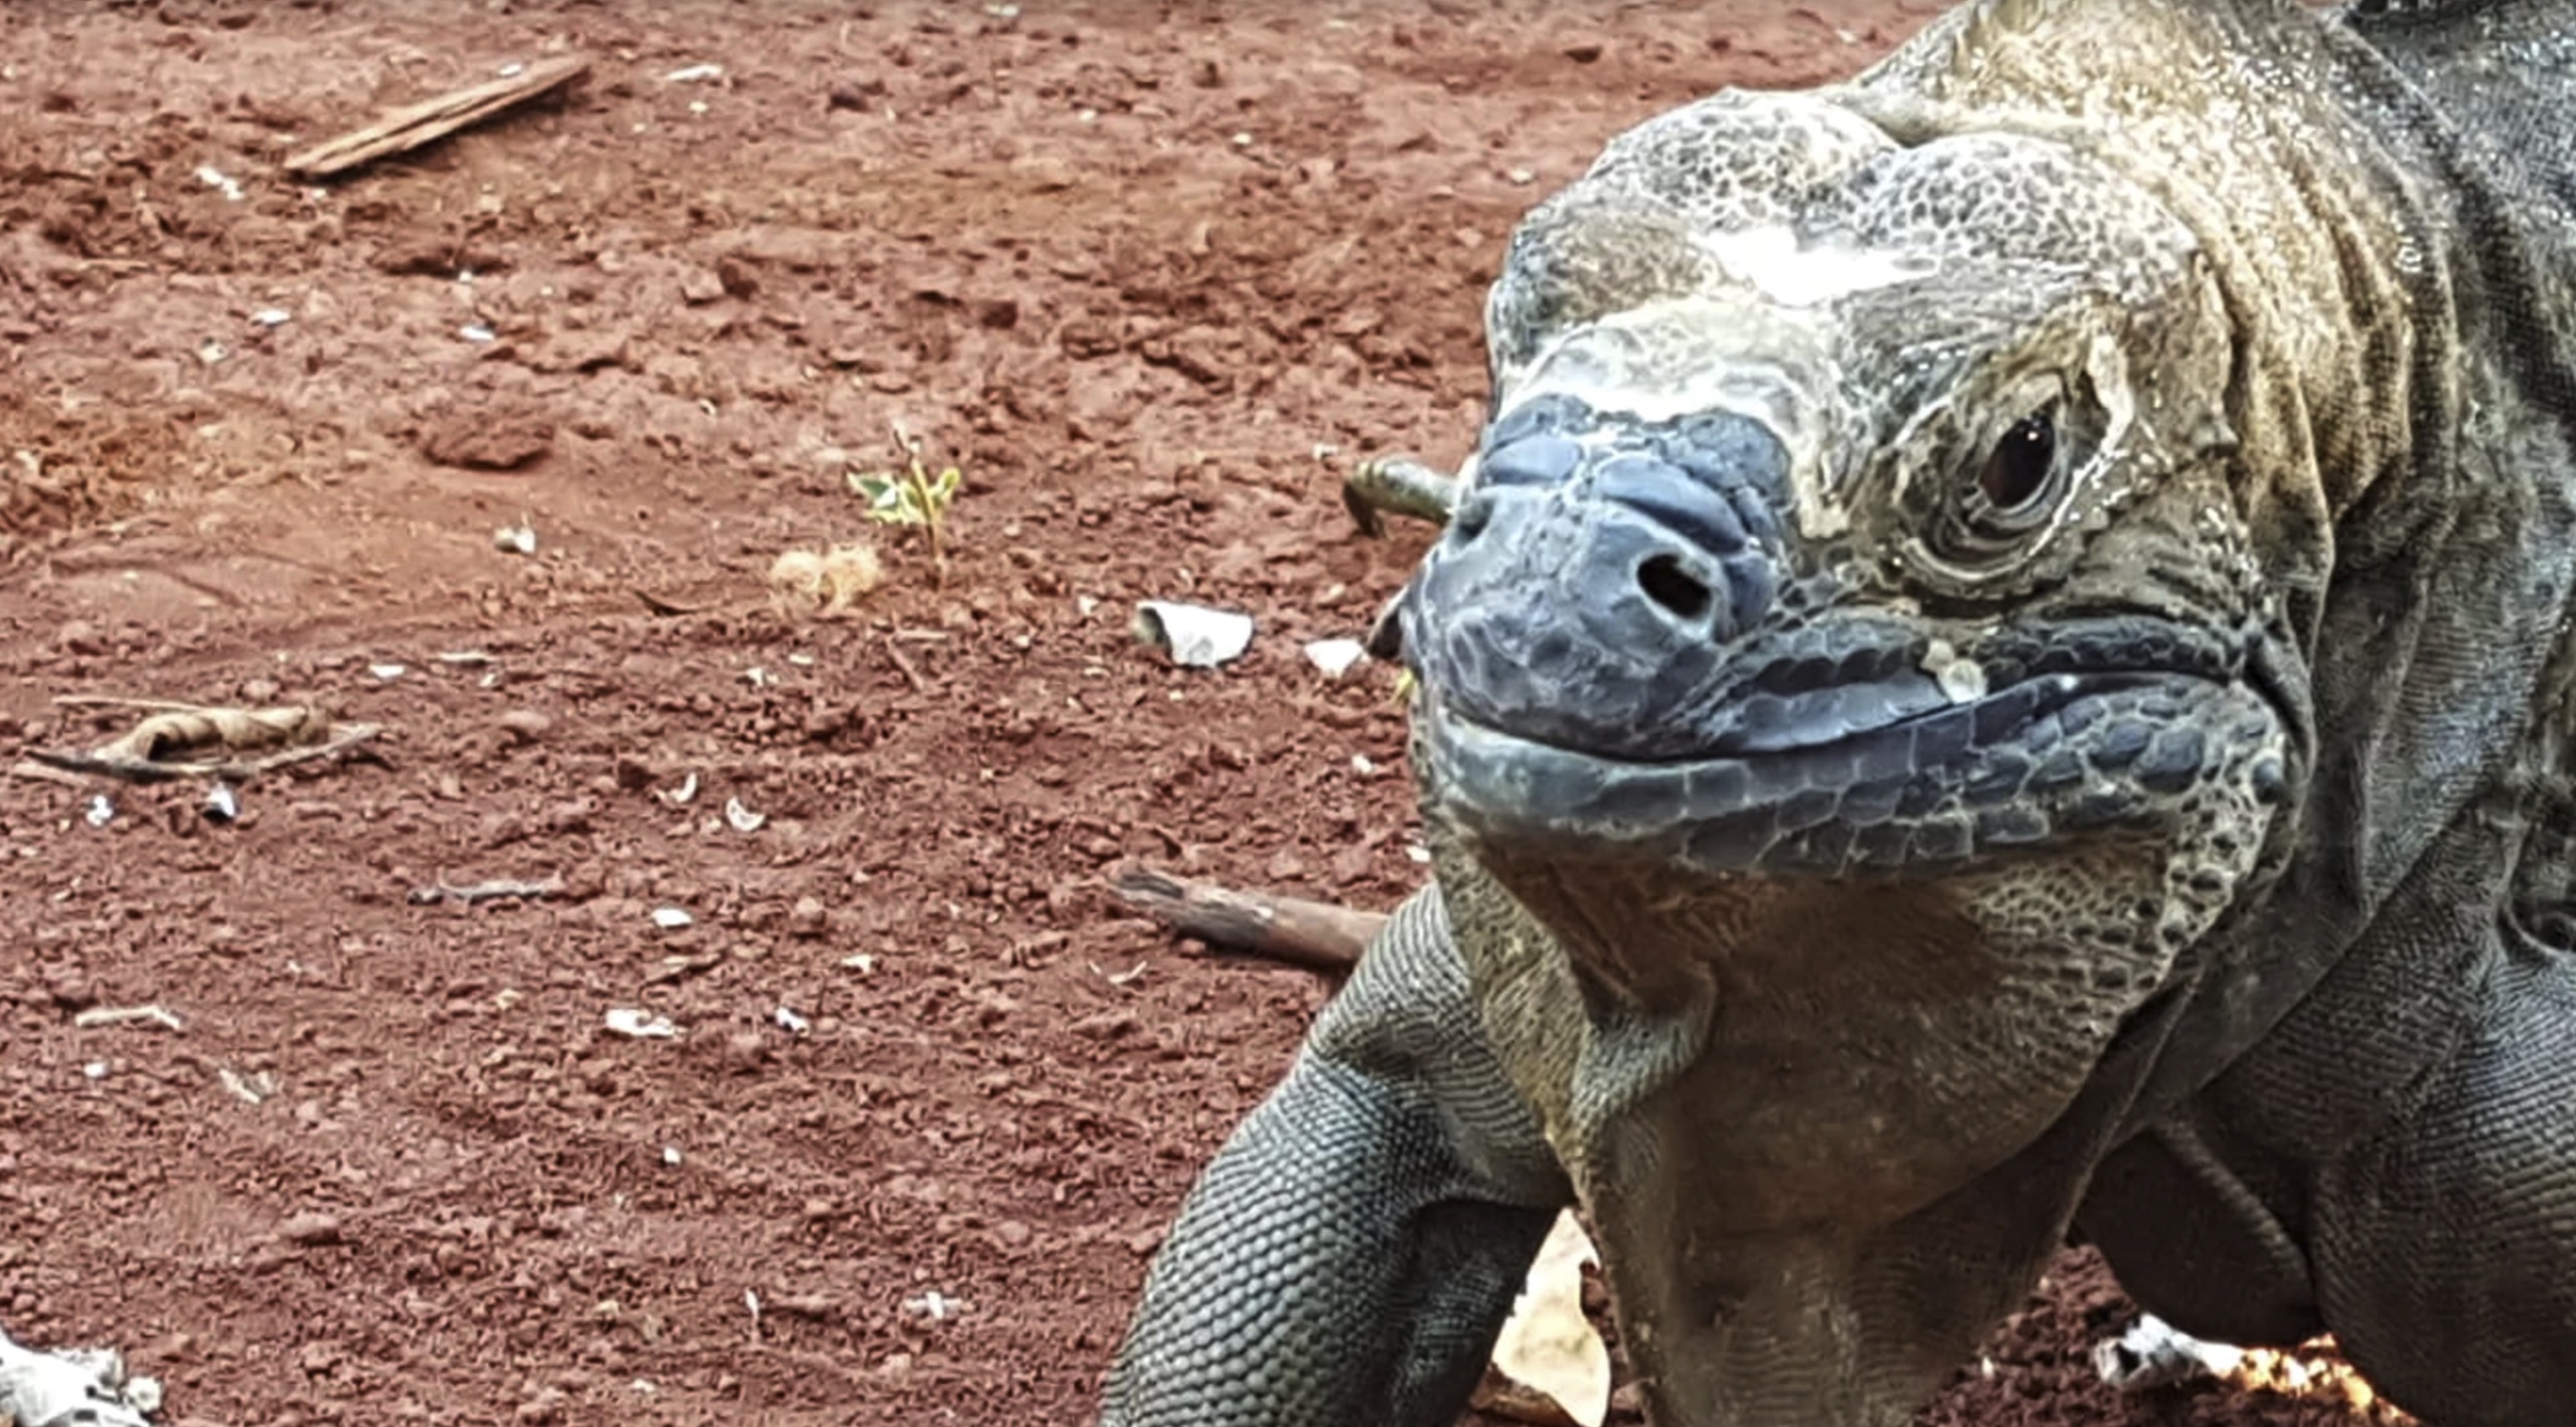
<point x="2020" y="472"/>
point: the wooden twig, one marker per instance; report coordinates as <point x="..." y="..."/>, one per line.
<point x="904" y="666"/>
<point x="230" y="770"/>
<point x="417" y="125"/>
<point x="1318" y="936"/>
<point x="668" y="609"/>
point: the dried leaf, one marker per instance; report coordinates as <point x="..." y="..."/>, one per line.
<point x="1548" y="1345"/>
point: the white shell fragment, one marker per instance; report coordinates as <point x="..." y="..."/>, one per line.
<point x="102" y="811"/>
<point x="694" y="73"/>
<point x="790" y="1022"/>
<point x="2154" y="1353"/>
<point x="76" y="1387"/>
<point x="1195" y="636"/>
<point x="515" y="539"/>
<point x="743" y="819"/>
<point x="272" y="317"/>
<point x="934" y="1305"/>
<point x="1962" y="680"/>
<point x="1336" y="657"/>
<point x="223" y="805"/>
<point x="671" y="919"/>
<point x="641" y="1025"/>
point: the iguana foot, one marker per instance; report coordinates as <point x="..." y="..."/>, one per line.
<point x="1397" y="485"/>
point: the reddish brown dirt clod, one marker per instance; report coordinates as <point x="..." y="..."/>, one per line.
<point x="1036" y="240"/>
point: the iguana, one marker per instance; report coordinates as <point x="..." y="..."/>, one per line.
<point x="2000" y="671"/>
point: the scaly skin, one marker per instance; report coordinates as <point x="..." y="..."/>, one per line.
<point x="2003" y="663"/>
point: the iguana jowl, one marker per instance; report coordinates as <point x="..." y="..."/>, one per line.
<point x="2001" y="668"/>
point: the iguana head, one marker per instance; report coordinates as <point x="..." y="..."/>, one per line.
<point x="1854" y="514"/>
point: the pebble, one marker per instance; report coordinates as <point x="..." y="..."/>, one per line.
<point x="809" y="917"/>
<point x="259" y="691"/>
<point x="526" y="725"/>
<point x="311" y="1230"/>
<point x="78" y="636"/>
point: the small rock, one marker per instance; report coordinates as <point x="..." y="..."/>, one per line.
<point x="259" y="691"/>
<point x="809" y="918"/>
<point x="311" y="1230"/>
<point x="737" y="276"/>
<point x="1583" y="51"/>
<point x="700" y="286"/>
<point x="498" y="436"/>
<point x="1011" y="1234"/>
<point x="78" y="636"/>
<point x="72" y="991"/>
<point x="525" y="725"/>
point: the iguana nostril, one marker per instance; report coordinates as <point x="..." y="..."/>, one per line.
<point x="1676" y="589"/>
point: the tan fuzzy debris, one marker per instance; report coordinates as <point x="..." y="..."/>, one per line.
<point x="808" y="584"/>
<point x="174" y="740"/>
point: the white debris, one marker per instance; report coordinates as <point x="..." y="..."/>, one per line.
<point x="1363" y="765"/>
<point x="640" y="1025"/>
<point x="1196" y="637"/>
<point x="213" y="177"/>
<point x="223" y="805"/>
<point x="1417" y="852"/>
<point x="212" y="351"/>
<point x="683" y="795"/>
<point x="860" y="962"/>
<point x="1084" y="604"/>
<point x="95" y="1070"/>
<point x="2154" y="1353"/>
<point x="790" y="1022"/>
<point x="743" y="819"/>
<point x="1336" y="657"/>
<point x="515" y="539"/>
<point x="249" y="1089"/>
<point x="760" y="678"/>
<point x="386" y="672"/>
<point x="476" y="332"/>
<point x="157" y="1015"/>
<point x="101" y="811"/>
<point x="694" y="73"/>
<point x="1962" y="680"/>
<point x="671" y="919"/>
<point x="934" y="1305"/>
<point x="82" y="1386"/>
<point x="272" y="317"/>
<point x="512" y="70"/>
<point x="671" y="1155"/>
<point x="1548" y="1345"/>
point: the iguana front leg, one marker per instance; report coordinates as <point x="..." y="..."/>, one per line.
<point x="1351" y="1253"/>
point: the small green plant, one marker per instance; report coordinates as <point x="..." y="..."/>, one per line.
<point x="912" y="496"/>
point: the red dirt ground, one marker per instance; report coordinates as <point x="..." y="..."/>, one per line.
<point x="1149" y="277"/>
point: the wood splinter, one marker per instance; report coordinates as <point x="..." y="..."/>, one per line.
<point x="418" y="125"/>
<point x="1318" y="936"/>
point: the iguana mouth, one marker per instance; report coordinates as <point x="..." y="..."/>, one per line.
<point x="2055" y="754"/>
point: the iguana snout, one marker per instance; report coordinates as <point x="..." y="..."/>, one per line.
<point x="1592" y="585"/>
